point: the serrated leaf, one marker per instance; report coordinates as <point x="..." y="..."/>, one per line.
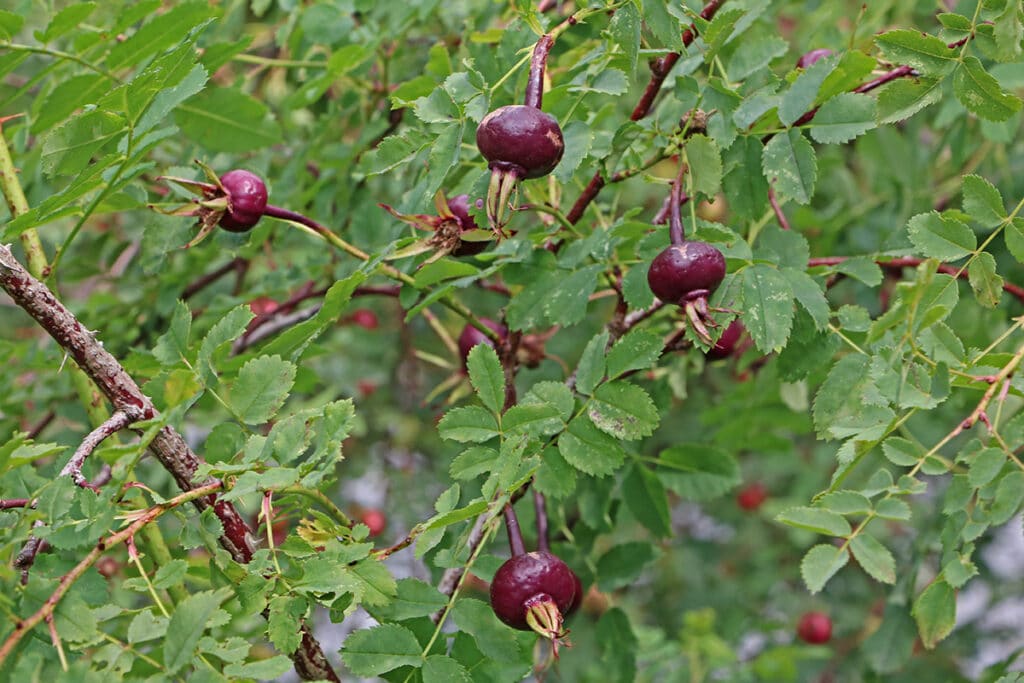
<point x="486" y="375"/>
<point x="820" y="564"/>
<point x="937" y="236"/>
<point x="373" y="651"/>
<point x="591" y="367"/>
<point x="444" y="669"/>
<point x="413" y="598"/>
<point x="492" y="637"/>
<point x="986" y="283"/>
<point x="623" y="563"/>
<point x="874" y="558"/>
<point x="566" y="303"/>
<point x="903" y="98"/>
<point x="800" y="97"/>
<point x="639" y="349"/>
<point x="555" y="394"/>
<point x="843" y="118"/>
<point x="623" y="410"/>
<point x="981" y="93"/>
<point x="900" y="451"/>
<point x="816" y="519"/>
<point x="935" y="612"/>
<point x="249" y="126"/>
<point x="271" y="668"/>
<point x="186" y="627"/>
<point x="227" y="329"/>
<point x="172" y="346"/>
<point x="1014" y="236"/>
<point x="925" y="53"/>
<point x="1008" y="498"/>
<point x="663" y="25"/>
<point x="589" y="449"/>
<point x="983" y="201"/>
<point x="892" y="508"/>
<point x="1008" y="32"/>
<point x="705" y="165"/>
<point x="790" y="165"/>
<point x="985" y="466"/>
<point x="618" y="647"/>
<point x="644" y="495"/>
<point x="468" y="424"/>
<point x="698" y="471"/>
<point x="578" y="138"/>
<point x="624" y="30"/>
<point x="845" y="502"/>
<point x="284" y="622"/>
<point x="261" y="388"/>
<point x="159" y="33"/>
<point x="69" y="149"/>
<point x="768" y="300"/>
<point x="810" y="296"/>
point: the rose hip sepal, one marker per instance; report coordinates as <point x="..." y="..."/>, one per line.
<point x="453" y="230"/>
<point x="535" y="591"/>
<point x="686" y="274"/>
<point x="234" y="201"/>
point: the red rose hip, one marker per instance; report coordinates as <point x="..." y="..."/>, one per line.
<point x="247" y="199"/>
<point x="815" y="628"/>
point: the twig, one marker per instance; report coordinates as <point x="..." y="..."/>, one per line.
<point x="277" y="323"/>
<point x="779" y="216"/>
<point x="11" y="503"/>
<point x="115" y="423"/>
<point x="898" y="264"/>
<point x="235" y="265"/>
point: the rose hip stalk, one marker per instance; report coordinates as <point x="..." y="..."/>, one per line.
<point x="454" y="230"/>
<point x="533" y="591"/>
<point x="519" y="141"/>
<point x="687" y="272"/>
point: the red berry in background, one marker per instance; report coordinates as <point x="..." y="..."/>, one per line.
<point x="809" y="58"/>
<point x="726" y="344"/>
<point x="751" y="496"/>
<point x="530" y="582"/>
<point x="521" y="140"/>
<point x="107" y="566"/>
<point x="366" y="387"/>
<point x="365" y="318"/>
<point x="815" y="628"/>
<point x="375" y="520"/>
<point x="263" y="305"/>
<point x="247" y="199"/>
<point x="683" y="271"/>
<point x="471" y="336"/>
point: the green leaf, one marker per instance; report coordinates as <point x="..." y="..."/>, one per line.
<point x="983" y="201"/>
<point x="535" y="419"/>
<point x="147" y="626"/>
<point x="622" y="564"/>
<point x="768" y="299"/>
<point x="663" y="25"/>
<point x="644" y="495"/>
<point x="892" y="508"/>
<point x="800" y="97"/>
<point x="578" y="138"/>
<point x="10" y="24"/>
<point x="624" y="30"/>
<point x="901" y="452"/>
<point x="981" y="93"/>
<point x="845" y="502"/>
<point x="159" y="33"/>
<point x="65" y="20"/>
<point x="619" y="647"/>
<point x="413" y="598"/>
<point x="698" y="471"/>
<point x="228" y="120"/>
<point x="820" y="564"/>
<point x="267" y="669"/>
<point x="590" y="450"/>
<point x="371" y="652"/>
<point x="843" y="118"/>
<point x="810" y="295"/>
<point x="261" y="388"/>
<point x="227" y="329"/>
<point x="68" y="150"/>
<point x="937" y="236"/>
<point x="491" y="636"/>
<point x="566" y="302"/>
<point x="1009" y="32"/>
<point x="1014" y="236"/>
<point x="705" y="161"/>
<point x="874" y="558"/>
<point x="638" y="349"/>
<point x="1008" y="498"/>
<point x="293" y="342"/>
<point x="862" y="269"/>
<point x="816" y="519"/>
<point x="901" y="99"/>
<point x="283" y="622"/>
<point x="486" y="376"/>
<point x="925" y="53"/>
<point x="555" y="394"/>
<point x="172" y="346"/>
<point x="187" y="625"/>
<point x="986" y="283"/>
<point x="591" y="367"/>
<point x="444" y="669"/>
<point x="985" y="466"/>
<point x="623" y="410"/>
<point x="790" y="163"/>
<point x="468" y="424"/>
<point x="935" y="612"/>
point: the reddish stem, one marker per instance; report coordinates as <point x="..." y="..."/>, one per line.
<point x="676" y="234"/>
<point x="541" y="511"/>
<point x="14" y="503"/>
<point x="515" y="534"/>
<point x="913" y="262"/>
<point x="781" y="217"/>
<point x="538" y="64"/>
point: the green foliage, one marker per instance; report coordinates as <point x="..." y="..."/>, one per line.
<point x="875" y="392"/>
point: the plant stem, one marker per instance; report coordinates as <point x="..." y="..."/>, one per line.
<point x="675" y="220"/>
<point x="538" y="64"/>
<point x="541" y="511"/>
<point x="515" y="534"/>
